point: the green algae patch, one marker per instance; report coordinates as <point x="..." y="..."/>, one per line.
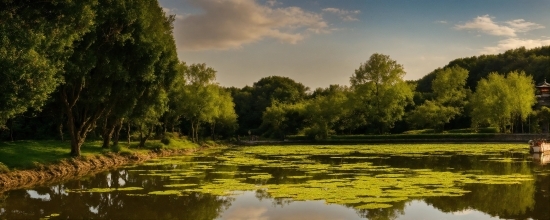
<point x="103" y="190"/>
<point x="374" y="206"/>
<point x="261" y="176"/>
<point x="167" y="192"/>
<point x="180" y="185"/>
<point x="363" y="177"/>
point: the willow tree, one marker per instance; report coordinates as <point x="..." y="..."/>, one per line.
<point x="36" y="39"/>
<point x="523" y="97"/>
<point x="129" y="52"/>
<point x="380" y="91"/>
<point x="499" y="100"/>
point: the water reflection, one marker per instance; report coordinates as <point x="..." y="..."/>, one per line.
<point x="182" y="178"/>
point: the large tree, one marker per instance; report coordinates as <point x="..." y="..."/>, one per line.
<point x="323" y="111"/>
<point x="251" y="102"/>
<point x="499" y="100"/>
<point x="202" y="101"/>
<point x="450" y="96"/>
<point x="380" y="91"/>
<point x="129" y="53"/>
<point x="36" y="39"/>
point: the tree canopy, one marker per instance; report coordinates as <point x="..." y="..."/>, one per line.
<point x="380" y="91"/>
<point x="36" y="39"/>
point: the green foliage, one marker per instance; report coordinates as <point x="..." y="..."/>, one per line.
<point x="120" y="69"/>
<point x="499" y="101"/>
<point x="251" y="102"/>
<point x="380" y="91"/>
<point x="324" y="111"/>
<point x="116" y="148"/>
<point x="166" y="140"/>
<point x="36" y="39"/>
<point x="535" y="62"/>
<point x="4" y="168"/>
<point x="449" y="100"/>
<point x="200" y="100"/>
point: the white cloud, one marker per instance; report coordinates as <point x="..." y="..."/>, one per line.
<point x="272" y="3"/>
<point x="226" y="24"/>
<point x="513" y="43"/>
<point x="344" y="14"/>
<point x="486" y="25"/>
<point x="441" y="22"/>
<point x="521" y="25"/>
<point x="173" y="11"/>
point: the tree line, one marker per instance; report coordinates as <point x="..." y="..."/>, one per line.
<point x="109" y="69"/>
<point x="100" y="67"/>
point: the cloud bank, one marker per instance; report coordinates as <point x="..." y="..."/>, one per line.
<point x="513" y="43"/>
<point x="344" y="14"/>
<point x="227" y="24"/>
<point x="509" y="29"/>
<point x="486" y="25"/>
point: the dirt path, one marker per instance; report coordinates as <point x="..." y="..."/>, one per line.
<point x="76" y="167"/>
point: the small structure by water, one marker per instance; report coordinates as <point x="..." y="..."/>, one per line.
<point x="543" y="94"/>
<point x="539" y="146"/>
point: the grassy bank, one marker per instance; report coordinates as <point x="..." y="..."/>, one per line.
<point x="23" y="155"/>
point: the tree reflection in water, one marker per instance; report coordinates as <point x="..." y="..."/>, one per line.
<point x="20" y="204"/>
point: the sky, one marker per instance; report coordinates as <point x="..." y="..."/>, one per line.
<point x="322" y="42"/>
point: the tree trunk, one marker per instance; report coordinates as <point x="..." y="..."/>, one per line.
<point x="140" y="129"/>
<point x="143" y="139"/>
<point x="61" y="131"/>
<point x="11" y="129"/>
<point x="193" y="132"/>
<point x="129" y="137"/>
<point x="76" y="140"/>
<point x="107" y="133"/>
<point x="116" y="134"/>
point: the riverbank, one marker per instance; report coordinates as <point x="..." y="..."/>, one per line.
<point x="48" y="163"/>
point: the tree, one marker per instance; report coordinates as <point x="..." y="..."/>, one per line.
<point x="499" y="100"/>
<point x="203" y="101"/>
<point x="523" y="97"/>
<point x="450" y="99"/>
<point x="490" y="105"/>
<point x="431" y="114"/>
<point x="251" y="102"/>
<point x="281" y="119"/>
<point x="36" y="39"/>
<point x="324" y="111"/>
<point x="224" y="115"/>
<point x="129" y="53"/>
<point x="381" y="93"/>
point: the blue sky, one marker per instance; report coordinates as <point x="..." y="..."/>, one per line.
<point x="322" y="42"/>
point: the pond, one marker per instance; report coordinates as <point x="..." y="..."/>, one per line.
<point x="398" y="181"/>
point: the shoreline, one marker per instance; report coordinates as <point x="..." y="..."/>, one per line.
<point x="72" y="168"/>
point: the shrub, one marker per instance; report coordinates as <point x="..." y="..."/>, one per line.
<point x="166" y="140"/>
<point x="116" y="148"/>
<point x="4" y="168"/>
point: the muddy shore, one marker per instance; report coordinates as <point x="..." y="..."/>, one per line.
<point x="72" y="168"/>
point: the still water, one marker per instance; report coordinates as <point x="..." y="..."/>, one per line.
<point x="418" y="181"/>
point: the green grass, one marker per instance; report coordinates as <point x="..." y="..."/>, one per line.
<point x="27" y="154"/>
<point x="20" y="155"/>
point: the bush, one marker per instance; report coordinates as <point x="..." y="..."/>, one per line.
<point x="166" y="140"/>
<point x="4" y="168"/>
<point x="116" y="148"/>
